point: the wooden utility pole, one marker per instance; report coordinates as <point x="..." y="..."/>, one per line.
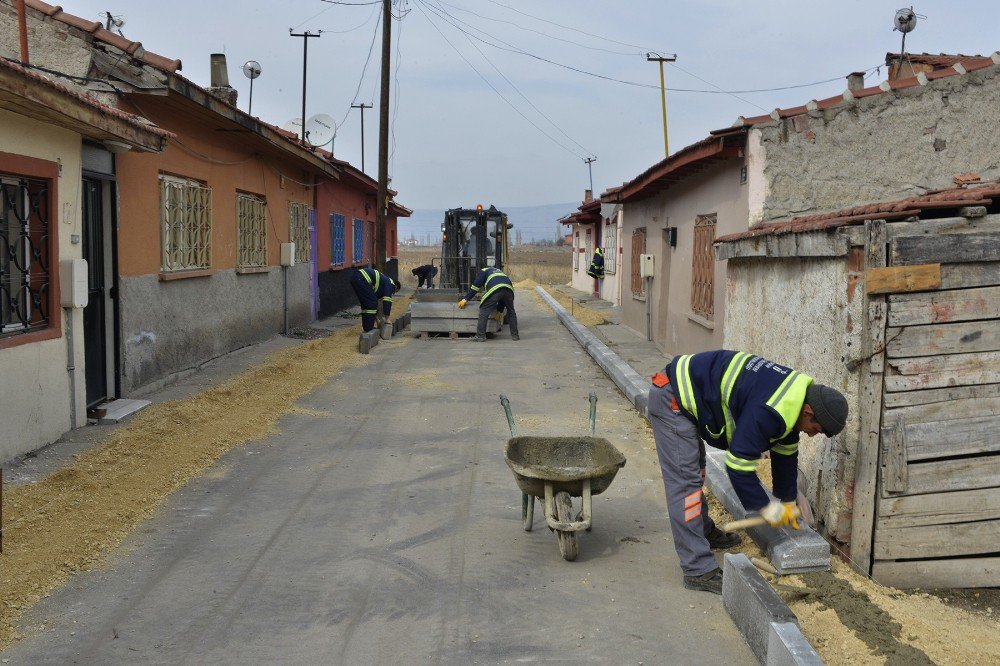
<point x="656" y="57"/>
<point x="382" y="200"/>
<point x="362" y="106"/>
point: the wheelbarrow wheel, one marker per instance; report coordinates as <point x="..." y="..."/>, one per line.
<point x="568" y="545"/>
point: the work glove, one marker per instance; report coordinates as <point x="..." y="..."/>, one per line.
<point x="461" y="304"/>
<point x="499" y="316"/>
<point x="781" y="514"/>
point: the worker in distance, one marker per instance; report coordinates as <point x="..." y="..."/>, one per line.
<point x="425" y="275"/>
<point x="495" y="290"/>
<point x="374" y="290"/>
<point x="748" y="406"/>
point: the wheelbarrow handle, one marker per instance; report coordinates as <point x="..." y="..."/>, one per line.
<point x="593" y="412"/>
<point x="510" y="417"/>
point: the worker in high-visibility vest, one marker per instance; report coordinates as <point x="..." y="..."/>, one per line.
<point x="596" y="269"/>
<point x="495" y="291"/>
<point x="373" y="289"/>
<point x="748" y="406"/>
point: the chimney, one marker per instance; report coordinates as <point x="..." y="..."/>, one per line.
<point x="220" y="87"/>
<point x="855" y="80"/>
<point x="588" y="195"/>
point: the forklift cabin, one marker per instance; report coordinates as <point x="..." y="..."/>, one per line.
<point x="471" y="239"/>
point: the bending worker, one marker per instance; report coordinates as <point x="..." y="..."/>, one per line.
<point x="425" y="274"/>
<point x="373" y="289"/>
<point x="596" y="269"/>
<point x="748" y="406"/>
<point x="495" y="290"/>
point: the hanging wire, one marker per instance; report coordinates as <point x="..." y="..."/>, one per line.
<point x="364" y="69"/>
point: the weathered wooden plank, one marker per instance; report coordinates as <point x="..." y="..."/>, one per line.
<point x="945" y="248"/>
<point x="954" y="540"/>
<point x="869" y="406"/>
<point x="944" y="225"/>
<point x="855" y="234"/>
<point x="944" y="306"/>
<point x="958" y="276"/>
<point x="941" y="439"/>
<point x="949" y="475"/>
<point x="947" y="409"/>
<point x="930" y="574"/>
<point x="957" y="507"/>
<point x="894" y="456"/>
<point x="958" y="338"/>
<point x="938" y="371"/>
<point x="898" y="279"/>
<point x="942" y="395"/>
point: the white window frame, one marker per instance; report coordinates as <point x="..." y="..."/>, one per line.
<point x="185" y="224"/>
<point x="609" y="245"/>
<point x="251" y="230"/>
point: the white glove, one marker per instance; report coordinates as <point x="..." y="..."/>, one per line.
<point x="781" y="514"/>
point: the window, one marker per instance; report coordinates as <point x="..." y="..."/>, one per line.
<point x="185" y="224"/>
<point x="610" y="247"/>
<point x="298" y="231"/>
<point x="576" y="249"/>
<point x="359" y="241"/>
<point x="24" y="255"/>
<point x="638" y="248"/>
<point x="337" y="234"/>
<point x="251" y="231"/>
<point x="703" y="267"/>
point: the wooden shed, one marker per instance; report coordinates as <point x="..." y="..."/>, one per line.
<point x="921" y="470"/>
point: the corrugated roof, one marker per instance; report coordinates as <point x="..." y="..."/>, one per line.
<point x="956" y="197"/>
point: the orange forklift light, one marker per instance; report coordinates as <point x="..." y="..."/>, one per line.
<point x="479" y="206"/>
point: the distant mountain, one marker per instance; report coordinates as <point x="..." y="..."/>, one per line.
<point x="534" y="222"/>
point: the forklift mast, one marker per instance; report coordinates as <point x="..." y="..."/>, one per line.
<point x="472" y="239"/>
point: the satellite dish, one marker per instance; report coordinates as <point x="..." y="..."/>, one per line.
<point x="905" y="20"/>
<point x="294" y="125"/>
<point x="251" y="69"/>
<point x="321" y="129"/>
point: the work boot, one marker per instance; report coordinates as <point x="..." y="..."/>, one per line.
<point x="720" y="540"/>
<point x="479" y="338"/>
<point x="709" y="582"/>
<point x="515" y="336"/>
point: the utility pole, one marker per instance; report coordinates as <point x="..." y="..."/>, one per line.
<point x="381" y="205"/>
<point x="305" y="61"/>
<point x="656" y="57"/>
<point x="362" y="106"/>
<point x="590" y="170"/>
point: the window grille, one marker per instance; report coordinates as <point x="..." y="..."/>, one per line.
<point x="251" y="228"/>
<point x="337" y="234"/>
<point x="298" y="230"/>
<point x="576" y="250"/>
<point x="24" y="255"/>
<point x="638" y="248"/>
<point x="185" y="225"/>
<point x="359" y="240"/>
<point x="703" y="267"/>
<point x="610" y="247"/>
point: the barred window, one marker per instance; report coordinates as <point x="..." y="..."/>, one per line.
<point x="610" y="247"/>
<point x="703" y="267"/>
<point x="337" y="236"/>
<point x="638" y="248"/>
<point x="251" y="231"/>
<point x="185" y="224"/>
<point x="24" y="255"/>
<point x="576" y="249"/>
<point x="359" y="240"/>
<point x="298" y="231"/>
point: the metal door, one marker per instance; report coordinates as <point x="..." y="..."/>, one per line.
<point x="94" y="331"/>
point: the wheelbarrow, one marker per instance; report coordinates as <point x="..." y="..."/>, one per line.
<point x="556" y="469"/>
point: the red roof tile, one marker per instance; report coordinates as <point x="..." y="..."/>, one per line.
<point x="956" y="197"/>
<point x="939" y="60"/>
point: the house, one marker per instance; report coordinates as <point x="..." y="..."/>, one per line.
<point x="897" y="304"/>
<point x="901" y="138"/>
<point x="595" y="224"/>
<point x="54" y="164"/>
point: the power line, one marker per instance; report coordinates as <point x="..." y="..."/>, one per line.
<point x="330" y="6"/>
<point x="420" y="6"/>
<point x="395" y="86"/>
<point x="364" y="69"/>
<point x="516" y="89"/>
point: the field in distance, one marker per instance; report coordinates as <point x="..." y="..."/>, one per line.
<point x="544" y="264"/>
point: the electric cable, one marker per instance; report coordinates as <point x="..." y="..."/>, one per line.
<point x="364" y="69"/>
<point x="395" y="89"/>
<point x="338" y="32"/>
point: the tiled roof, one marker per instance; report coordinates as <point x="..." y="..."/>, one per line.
<point x="956" y="197"/>
<point x="937" y="61"/>
<point x="98" y="31"/>
<point x="128" y="118"/>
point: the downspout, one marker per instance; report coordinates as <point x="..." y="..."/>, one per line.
<point x="71" y="366"/>
<point x="22" y="29"/>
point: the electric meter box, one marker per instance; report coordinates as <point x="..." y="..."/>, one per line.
<point x="73" y="284"/>
<point x="646" y="265"/>
<point x="288" y="254"/>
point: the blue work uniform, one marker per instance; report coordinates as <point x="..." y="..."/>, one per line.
<point x="734" y="401"/>
<point x="372" y="288"/>
<point x="495" y="291"/>
<point x="596" y="269"/>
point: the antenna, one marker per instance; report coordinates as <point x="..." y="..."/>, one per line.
<point x="905" y="21"/>
<point x="321" y="129"/>
<point x="251" y="70"/>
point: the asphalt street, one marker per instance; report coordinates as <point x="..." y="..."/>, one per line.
<point x="380" y="525"/>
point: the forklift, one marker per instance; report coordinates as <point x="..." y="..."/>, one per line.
<point x="472" y="239"/>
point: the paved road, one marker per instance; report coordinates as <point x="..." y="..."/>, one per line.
<point x="381" y="526"/>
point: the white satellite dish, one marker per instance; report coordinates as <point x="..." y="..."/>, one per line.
<point x="321" y="129"/>
<point x="294" y="125"/>
<point x="251" y="69"/>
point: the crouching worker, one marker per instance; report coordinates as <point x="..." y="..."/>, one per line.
<point x="746" y="405"/>
<point x="495" y="290"/>
<point x="373" y="289"/>
<point x="425" y="274"/>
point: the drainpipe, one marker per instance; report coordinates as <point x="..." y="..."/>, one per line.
<point x="71" y="366"/>
<point x="649" y="308"/>
<point x="22" y="29"/>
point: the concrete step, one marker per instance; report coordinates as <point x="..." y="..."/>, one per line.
<point x="116" y="410"/>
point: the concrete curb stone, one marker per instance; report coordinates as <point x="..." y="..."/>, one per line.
<point x="752" y="603"/>
<point x="786" y="646"/>
<point x="368" y="340"/>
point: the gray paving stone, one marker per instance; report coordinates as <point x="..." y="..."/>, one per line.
<point x="367" y="341"/>
<point x="790" y="551"/>
<point x="752" y="603"/>
<point x="786" y="646"/>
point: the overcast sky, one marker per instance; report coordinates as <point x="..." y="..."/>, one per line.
<point x="457" y="142"/>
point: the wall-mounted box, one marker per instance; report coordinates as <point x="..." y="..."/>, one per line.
<point x="73" y="284"/>
<point x="288" y="254"/>
<point x="646" y="265"/>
